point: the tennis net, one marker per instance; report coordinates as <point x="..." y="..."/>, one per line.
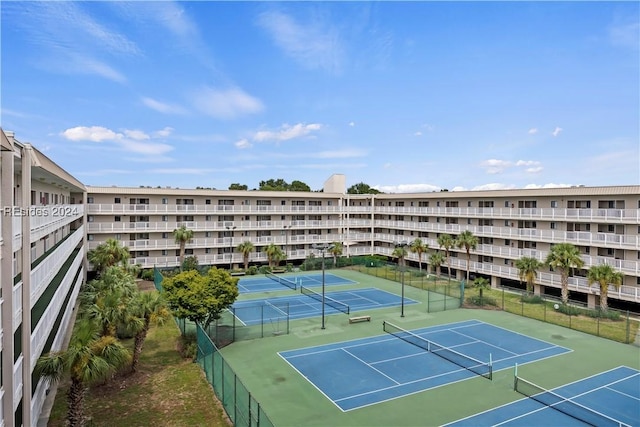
<point x="278" y="310"/>
<point x="563" y="404"/>
<point x="282" y="280"/>
<point x="340" y="306"/>
<point x="462" y="360"/>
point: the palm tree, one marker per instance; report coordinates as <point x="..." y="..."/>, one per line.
<point x="274" y="255"/>
<point x="108" y="254"/>
<point x="418" y="247"/>
<point x="335" y="250"/>
<point x="106" y="300"/>
<point x="400" y="252"/>
<point x="528" y="271"/>
<point x="446" y="241"/>
<point x="564" y="257"/>
<point x="89" y="359"/>
<point x="436" y="259"/>
<point x="481" y="283"/>
<point x="245" y="248"/>
<point x="468" y="241"/>
<point x="148" y="308"/>
<point x="182" y="235"/>
<point x="604" y="275"/>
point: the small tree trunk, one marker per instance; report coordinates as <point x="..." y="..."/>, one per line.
<point x="75" y="400"/>
<point x="137" y="348"/>
<point x="565" y="287"/>
<point x="604" y="304"/>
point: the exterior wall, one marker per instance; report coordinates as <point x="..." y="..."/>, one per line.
<point x="603" y="222"/>
<point x="39" y="241"/>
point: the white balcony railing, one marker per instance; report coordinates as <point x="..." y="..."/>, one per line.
<point x="17" y="382"/>
<point x="42" y="274"/>
<point x="45" y="325"/>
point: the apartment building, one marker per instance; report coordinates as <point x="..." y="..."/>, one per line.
<point x="41" y="271"/>
<point x="49" y="220"/>
<point x="603" y="222"/>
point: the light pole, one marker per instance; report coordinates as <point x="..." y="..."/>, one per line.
<point x="322" y="247"/>
<point x="231" y="228"/>
<point x="401" y="255"/>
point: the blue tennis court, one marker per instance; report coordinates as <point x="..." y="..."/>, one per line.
<point x="363" y="372"/>
<point x="611" y="398"/>
<point x="251" y="312"/>
<point x="264" y="284"/>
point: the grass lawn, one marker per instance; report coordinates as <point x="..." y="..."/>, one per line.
<point x="167" y="390"/>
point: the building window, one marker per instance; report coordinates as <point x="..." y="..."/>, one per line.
<point x="438" y="204"/>
<point x="165" y="201"/>
<point x="553" y="225"/>
<point x="90" y="237"/>
<point x="117" y="218"/>
<point x="89" y="218"/>
<point x="188" y="251"/>
<point x="118" y="237"/>
<point x="165" y="252"/>
<point x="469" y="204"/>
<point x="207" y="201"/>
<point x="207" y="234"/>
<point x="207" y="250"/>
<point x="165" y="218"/>
<point x="165" y="235"/>
<point x="554" y="204"/>
<point x="506" y="203"/>
<point x="116" y="200"/>
<point x="89" y="199"/>
<point x="468" y="220"/>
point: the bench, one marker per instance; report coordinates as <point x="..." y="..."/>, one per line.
<point x="360" y="319"/>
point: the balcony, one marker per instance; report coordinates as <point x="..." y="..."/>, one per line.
<point x="125" y="209"/>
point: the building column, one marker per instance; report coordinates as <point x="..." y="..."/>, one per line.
<point x="495" y="282"/>
<point x="26" y="285"/>
<point x="592" y="300"/>
<point x="538" y="289"/>
<point x="6" y="279"/>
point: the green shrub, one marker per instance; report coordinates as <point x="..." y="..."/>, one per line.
<point x="570" y="310"/>
<point x="147" y="275"/>
<point x="252" y="270"/>
<point x="289" y="267"/>
<point x="188" y="346"/>
<point x="532" y="299"/>
<point x="485" y="300"/>
<point x="264" y="269"/>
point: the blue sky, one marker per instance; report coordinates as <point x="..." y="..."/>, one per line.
<point x="414" y="96"/>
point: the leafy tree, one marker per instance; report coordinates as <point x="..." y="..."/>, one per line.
<point x="481" y="283"/>
<point x="564" y="257"/>
<point x="89" y="359"/>
<point x="528" y="271"/>
<point x="447" y="242"/>
<point x="148" y="308"/>
<point x="245" y="248"/>
<point x="182" y="235"/>
<point x="190" y="263"/>
<point x="468" y="241"/>
<point x="200" y="298"/>
<point x="436" y="259"/>
<point x="274" y="185"/>
<point x="362" y="188"/>
<point x="336" y="250"/>
<point x="418" y="247"/>
<point x="604" y="275"/>
<point x="108" y="254"/>
<point x="236" y="186"/>
<point x="299" y="186"/>
<point x="274" y="255"/>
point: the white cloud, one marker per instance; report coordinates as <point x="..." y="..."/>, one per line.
<point x="286" y="132"/>
<point x="534" y="169"/>
<point x="407" y="188"/>
<point x="138" y="135"/>
<point x="352" y="124"/>
<point x="163" y="133"/>
<point x="162" y="107"/>
<point x="312" y="44"/>
<point x="226" y="104"/>
<point x="129" y="140"/>
<point x="486" y="187"/>
<point x="556" y="131"/>
<point x="533" y="131"/>
<point x="417" y="133"/>
<point x="181" y="171"/>
<point x="92" y="133"/>
<point x="494" y="166"/>
<point x="625" y="35"/>
<point x="243" y="143"/>
<point x="550" y="185"/>
<point x="527" y="163"/>
<point x="78" y="64"/>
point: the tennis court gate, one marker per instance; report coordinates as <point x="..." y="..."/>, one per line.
<point x="238" y="403"/>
